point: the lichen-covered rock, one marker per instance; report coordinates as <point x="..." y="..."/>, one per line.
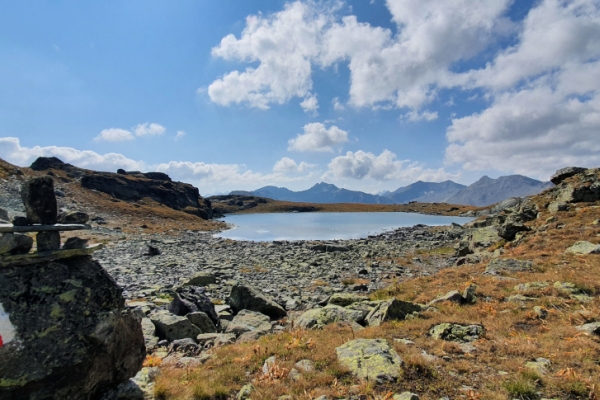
<point x="345" y="299"/>
<point x="498" y="265"/>
<point x="245" y="392"/>
<point x="201" y="279"/>
<point x="523" y="287"/>
<point x="39" y="200"/>
<point x="12" y="243"/>
<point x="405" y="396"/>
<point x="249" y="321"/>
<point x="247" y="297"/>
<point x="371" y="359"/>
<point x="456" y="332"/>
<point x="389" y="310"/>
<point x="172" y="327"/>
<point x="584" y="247"/>
<point x="540" y="365"/>
<point x="319" y="317"/>
<point x="68" y="316"/>
<point x="202" y="321"/>
<point x="565" y="173"/>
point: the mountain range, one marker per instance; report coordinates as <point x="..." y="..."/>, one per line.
<point x="484" y="192"/>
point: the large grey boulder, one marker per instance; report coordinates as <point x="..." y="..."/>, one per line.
<point x="201" y="279"/>
<point x="72" y="337"/>
<point x="172" y="327"/>
<point x="249" y="321"/>
<point x="391" y="310"/>
<point x="202" y="321"/>
<point x="246" y="297"/>
<point x="39" y="200"/>
<point x="189" y="299"/>
<point x="319" y="317"/>
<point x="12" y="243"/>
<point x="371" y="359"/>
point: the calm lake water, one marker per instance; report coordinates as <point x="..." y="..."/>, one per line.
<point x="325" y="226"/>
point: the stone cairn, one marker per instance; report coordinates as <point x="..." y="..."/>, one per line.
<point x="42" y="218"/>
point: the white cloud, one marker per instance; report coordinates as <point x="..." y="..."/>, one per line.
<point x="12" y="151"/>
<point x="287" y="164"/>
<point x="149" y="129"/>
<point x="317" y="137"/>
<point x="114" y="135"/>
<point x="545" y="97"/>
<point x="337" y="106"/>
<point x="384" y="167"/>
<point x="180" y="134"/>
<point x="422" y="116"/>
<point x="310" y="104"/>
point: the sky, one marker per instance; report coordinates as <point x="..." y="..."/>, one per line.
<point x="367" y="95"/>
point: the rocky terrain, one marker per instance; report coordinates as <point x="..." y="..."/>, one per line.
<point x="507" y="306"/>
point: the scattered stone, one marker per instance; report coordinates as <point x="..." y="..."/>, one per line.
<point x="540" y="365"/>
<point x="149" y="332"/>
<point x="246" y="297"/>
<point x="456" y="332"/>
<point x="453" y="296"/>
<point x="584" y="247"/>
<point x="523" y="287"/>
<point x="47" y="241"/>
<point x="172" y="327"/>
<point x="215" y="339"/>
<point x="189" y="299"/>
<point x="371" y="359"/>
<point x="405" y="396"/>
<point x="498" y="265"/>
<point x="391" y="310"/>
<point x="4" y="215"/>
<point x="39" y="200"/>
<point x="201" y="279"/>
<point x="202" y="321"/>
<point x="11" y="243"/>
<point x="245" y="392"/>
<point x="469" y="294"/>
<point x="305" y="365"/>
<point x="319" y="317"/>
<point x="186" y="346"/>
<point x="75" y="243"/>
<point x="19" y="220"/>
<point x="540" y="312"/>
<point x="153" y="251"/>
<point x="592" y="328"/>
<point x="268" y="365"/>
<point x="557" y="206"/>
<point x="73" y="217"/>
<point x="519" y="298"/>
<point x="249" y="321"/>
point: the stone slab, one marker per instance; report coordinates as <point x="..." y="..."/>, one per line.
<point x="45" y="256"/>
<point x="41" y="228"/>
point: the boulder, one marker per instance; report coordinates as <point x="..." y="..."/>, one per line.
<point x="405" y="396"/>
<point x="172" y="327"/>
<point x="190" y="299"/>
<point x="456" y="332"/>
<point x="584" y="247"/>
<point x="249" y="321"/>
<point x="75" y="243"/>
<point x="246" y="297"/>
<point x="391" y="310"/>
<point x="4" y="215"/>
<point x="565" y="173"/>
<point x="12" y="243"/>
<point x="345" y="299"/>
<point x="498" y="265"/>
<point x="593" y="328"/>
<point x="319" y="317"/>
<point x="73" y="217"/>
<point x="201" y="279"/>
<point x="540" y="365"/>
<point x="73" y="337"/>
<point x="202" y="321"/>
<point x="149" y="332"/>
<point x="39" y="200"/>
<point x="370" y="359"/>
<point x="453" y="296"/>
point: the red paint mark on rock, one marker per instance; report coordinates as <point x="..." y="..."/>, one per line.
<point x="1" y="342"/>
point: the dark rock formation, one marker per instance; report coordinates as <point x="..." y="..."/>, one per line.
<point x="73" y="339"/>
<point x="48" y="240"/>
<point x="249" y="298"/>
<point x="39" y="200"/>
<point x="15" y="244"/>
<point x="73" y="217"/>
<point x="45" y="163"/>
<point x="191" y="299"/>
<point x="565" y="173"/>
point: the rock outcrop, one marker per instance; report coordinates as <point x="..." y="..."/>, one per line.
<point x="371" y="359"/>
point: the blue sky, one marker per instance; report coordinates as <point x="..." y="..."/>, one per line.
<point x="241" y="94"/>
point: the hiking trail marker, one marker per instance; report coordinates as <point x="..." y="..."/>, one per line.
<point x="7" y="330"/>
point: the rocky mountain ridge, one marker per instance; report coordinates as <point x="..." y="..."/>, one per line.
<point x="486" y="191"/>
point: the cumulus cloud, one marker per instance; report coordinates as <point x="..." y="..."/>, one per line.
<point x="545" y="97"/>
<point x="12" y="151"/>
<point x="384" y="167"/>
<point x="180" y="134"/>
<point x="149" y="129"/>
<point x="421" y="116"/>
<point x="318" y="138"/>
<point x="310" y="104"/>
<point x="337" y="106"/>
<point x="287" y="164"/>
<point x="114" y="135"/>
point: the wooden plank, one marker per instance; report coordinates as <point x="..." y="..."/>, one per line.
<point x="45" y="256"/>
<point x="4" y="228"/>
